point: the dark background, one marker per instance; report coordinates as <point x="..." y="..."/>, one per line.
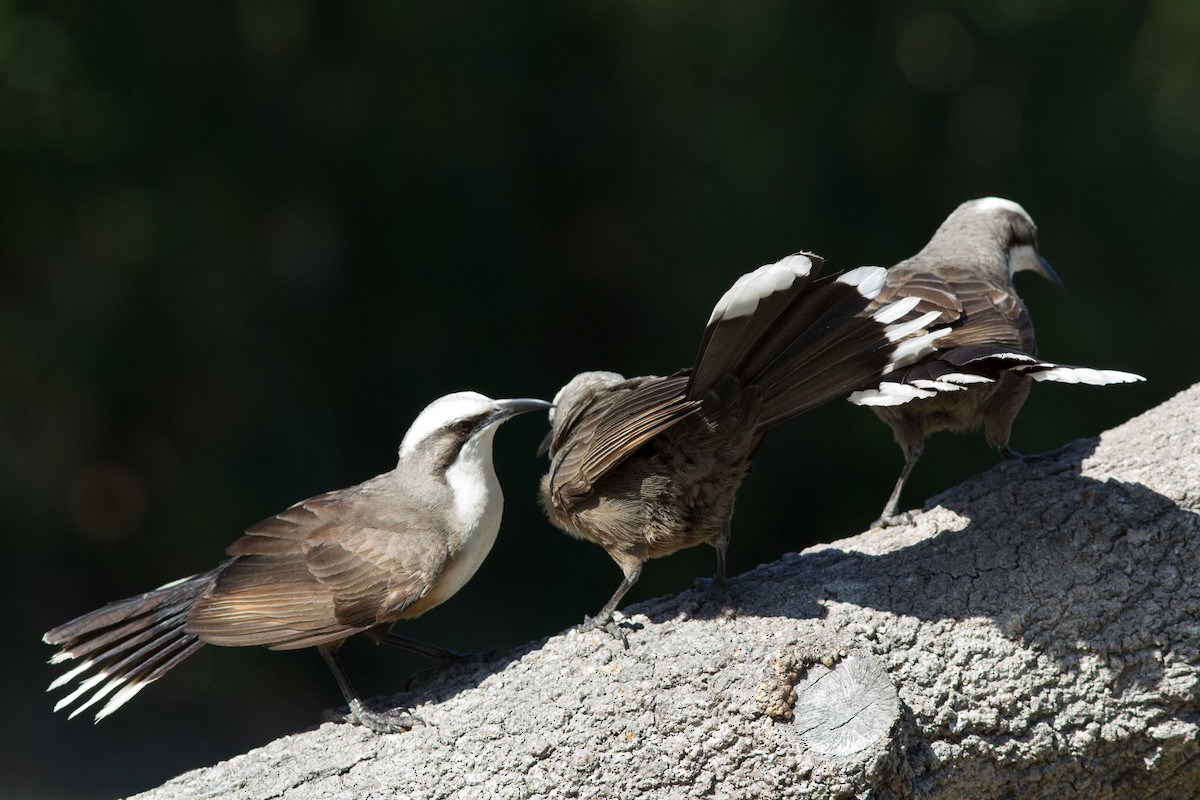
<point x="243" y="244"/>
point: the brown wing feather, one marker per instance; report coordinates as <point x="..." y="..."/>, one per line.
<point x="289" y="530"/>
<point x="980" y="311"/>
<point x="935" y="293"/>
<point x="266" y="600"/>
<point x="318" y="572"/>
<point x="613" y="427"/>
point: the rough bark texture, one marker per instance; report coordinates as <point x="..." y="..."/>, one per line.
<point x="1034" y="633"/>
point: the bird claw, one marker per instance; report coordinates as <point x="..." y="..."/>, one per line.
<point x="893" y="520"/>
<point x="1034" y="458"/>
<point x="454" y="659"/>
<point x="718" y="588"/>
<point x="398" y="720"/>
<point x="614" y="628"/>
<point x="450" y="659"/>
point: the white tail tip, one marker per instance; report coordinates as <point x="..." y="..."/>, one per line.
<point x="868" y="280"/>
<point x="889" y="393"/>
<point x="742" y="299"/>
<point x="1092" y="377"/>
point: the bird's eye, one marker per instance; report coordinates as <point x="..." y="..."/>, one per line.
<point x="463" y="427"/>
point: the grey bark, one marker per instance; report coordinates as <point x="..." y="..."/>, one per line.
<point x="1034" y="633"/>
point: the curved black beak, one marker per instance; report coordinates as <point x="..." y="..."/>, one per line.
<point x="1044" y="269"/>
<point x="506" y="409"/>
<point x="1027" y="257"/>
<point x="544" y="447"/>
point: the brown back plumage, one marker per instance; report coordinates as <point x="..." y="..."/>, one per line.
<point x="609" y="427"/>
<point x="322" y="570"/>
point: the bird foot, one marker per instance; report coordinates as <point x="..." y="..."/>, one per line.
<point x="449" y="659"/>
<point x="1033" y="458"/>
<point x="719" y="595"/>
<point x="454" y="659"/>
<point x="613" y="627"/>
<point x="398" y="720"/>
<point x="893" y="520"/>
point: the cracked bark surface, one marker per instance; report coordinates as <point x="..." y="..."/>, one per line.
<point x="1034" y="633"/>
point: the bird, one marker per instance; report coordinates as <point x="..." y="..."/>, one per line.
<point x="647" y="466"/>
<point x="350" y="561"/>
<point x="980" y="373"/>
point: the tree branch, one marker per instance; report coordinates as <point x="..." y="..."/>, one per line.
<point x="1034" y="633"/>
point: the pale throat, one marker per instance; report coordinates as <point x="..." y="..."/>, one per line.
<point x="1022" y="258"/>
<point x="478" y="499"/>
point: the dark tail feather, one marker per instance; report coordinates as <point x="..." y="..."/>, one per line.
<point x="746" y="314"/>
<point x="843" y="349"/>
<point x="126" y="645"/>
<point x="802" y="341"/>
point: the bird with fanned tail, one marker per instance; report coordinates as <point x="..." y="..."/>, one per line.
<point x="981" y="370"/>
<point x="647" y="466"/>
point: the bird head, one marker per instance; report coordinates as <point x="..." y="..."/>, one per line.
<point x="461" y="423"/>
<point x="573" y="398"/>
<point x="1004" y="224"/>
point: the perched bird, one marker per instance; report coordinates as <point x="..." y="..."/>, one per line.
<point x="346" y="562"/>
<point x="981" y="371"/>
<point x="647" y="466"/>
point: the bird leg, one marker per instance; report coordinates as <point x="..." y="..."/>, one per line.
<point x="432" y="652"/>
<point x="721" y="544"/>
<point x="890" y="515"/>
<point x="604" y="617"/>
<point x="720" y="582"/>
<point x="445" y="656"/>
<point x="1012" y="455"/>
<point x="359" y="713"/>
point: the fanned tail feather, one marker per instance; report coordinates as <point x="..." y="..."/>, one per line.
<point x="956" y="369"/>
<point x="1060" y="373"/>
<point x="833" y="359"/>
<point x="745" y="315"/>
<point x="126" y="645"/>
<point x="803" y="341"/>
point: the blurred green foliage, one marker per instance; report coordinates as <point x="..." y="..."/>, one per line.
<point x="243" y="244"/>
